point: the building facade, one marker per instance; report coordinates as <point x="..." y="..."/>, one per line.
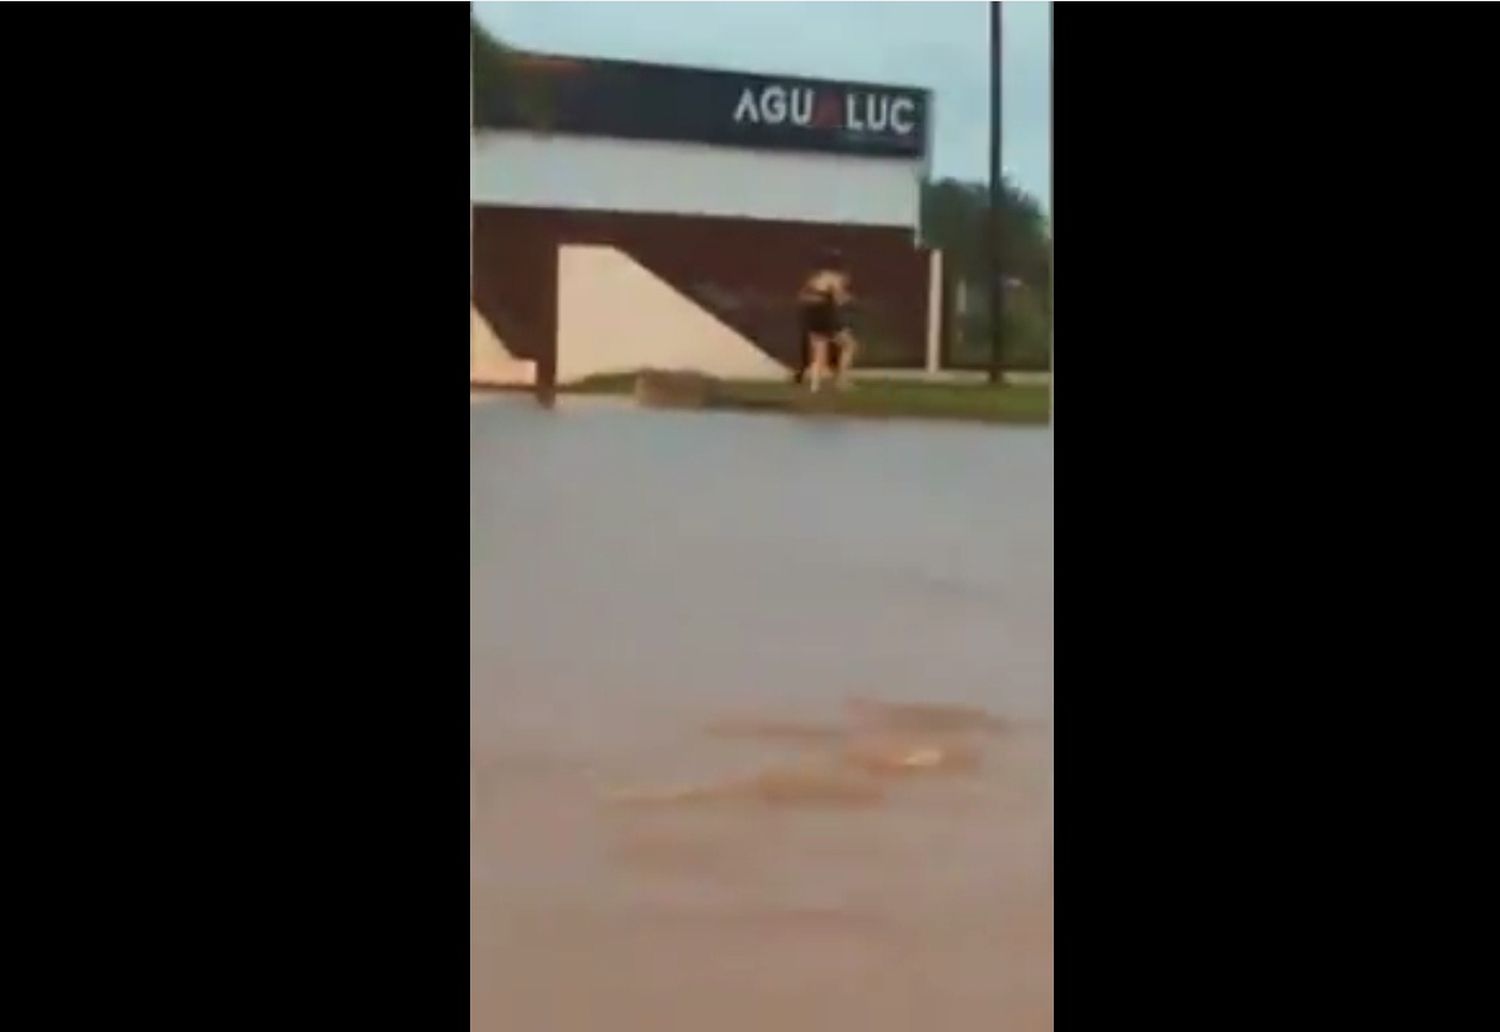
<point x="607" y="194"/>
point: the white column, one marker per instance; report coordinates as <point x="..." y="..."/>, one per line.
<point x="934" y="312"/>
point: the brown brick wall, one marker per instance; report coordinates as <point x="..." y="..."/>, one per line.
<point x="745" y="271"/>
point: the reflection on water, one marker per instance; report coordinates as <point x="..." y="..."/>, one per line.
<point x="684" y="608"/>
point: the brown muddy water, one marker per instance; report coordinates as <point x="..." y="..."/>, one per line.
<point x="693" y="805"/>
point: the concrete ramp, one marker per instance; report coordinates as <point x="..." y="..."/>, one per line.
<point x="616" y="316"/>
<point x="490" y="363"/>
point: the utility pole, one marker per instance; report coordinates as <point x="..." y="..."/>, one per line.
<point x="997" y="183"/>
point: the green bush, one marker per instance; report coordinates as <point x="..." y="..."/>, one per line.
<point x="1027" y="341"/>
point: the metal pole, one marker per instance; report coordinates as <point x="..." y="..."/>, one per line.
<point x="996" y="266"/>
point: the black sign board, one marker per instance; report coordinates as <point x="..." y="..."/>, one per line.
<point x="659" y="102"/>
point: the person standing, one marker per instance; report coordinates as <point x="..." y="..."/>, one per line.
<point x="823" y="302"/>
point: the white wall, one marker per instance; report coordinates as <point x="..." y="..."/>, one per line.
<point x="559" y="171"/>
<point x="616" y="316"/>
<point x="490" y="362"/>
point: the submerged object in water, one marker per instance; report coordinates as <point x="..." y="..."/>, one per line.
<point x="782" y="786"/>
<point x="891" y="757"/>
<point x="922" y="716"/>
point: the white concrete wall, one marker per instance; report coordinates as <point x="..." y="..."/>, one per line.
<point x="490" y="362"/>
<point x="616" y="316"/>
<point x="559" y="171"/>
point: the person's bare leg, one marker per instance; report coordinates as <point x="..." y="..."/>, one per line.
<point x="847" y="347"/>
<point x="819" y="361"/>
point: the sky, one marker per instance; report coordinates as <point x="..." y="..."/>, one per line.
<point x="942" y="46"/>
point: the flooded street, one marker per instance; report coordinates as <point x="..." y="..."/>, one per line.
<point x="680" y="819"/>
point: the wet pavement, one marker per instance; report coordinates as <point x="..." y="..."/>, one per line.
<point x="679" y="821"/>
